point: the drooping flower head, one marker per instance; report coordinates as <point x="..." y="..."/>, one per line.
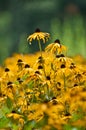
<point x="38" y="35"/>
<point x="56" y="47"/>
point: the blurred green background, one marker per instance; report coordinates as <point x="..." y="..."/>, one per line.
<point x="63" y="19"/>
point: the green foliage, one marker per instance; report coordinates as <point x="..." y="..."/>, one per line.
<point x="29" y="125"/>
<point x="71" y="33"/>
<point x="9" y="103"/>
<point x="69" y="127"/>
<point x="4" y="122"/>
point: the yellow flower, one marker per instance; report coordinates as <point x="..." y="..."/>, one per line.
<point x="39" y="36"/>
<point x="14" y="115"/>
<point x="55" y="48"/>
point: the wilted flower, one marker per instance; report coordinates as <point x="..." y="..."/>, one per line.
<point x="56" y="47"/>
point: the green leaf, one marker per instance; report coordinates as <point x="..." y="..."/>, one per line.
<point x="9" y="103"/>
<point x="25" y="77"/>
<point x="4" y="122"/>
<point x="29" y="125"/>
<point x="16" y="82"/>
<point x="4" y="110"/>
<point x="30" y="84"/>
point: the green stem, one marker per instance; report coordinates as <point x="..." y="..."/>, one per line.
<point x="40" y="47"/>
<point x="41" y="56"/>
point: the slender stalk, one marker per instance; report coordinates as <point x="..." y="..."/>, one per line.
<point x="41" y="56"/>
<point x="40" y="47"/>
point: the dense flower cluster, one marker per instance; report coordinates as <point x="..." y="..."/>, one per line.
<point x="45" y="92"/>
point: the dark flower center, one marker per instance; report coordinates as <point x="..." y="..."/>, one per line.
<point x="13" y="111"/>
<point x="37" y="30"/>
<point x="37" y="72"/>
<point x="7" y="69"/>
<point x="67" y="114"/>
<point x="53" y="98"/>
<point x="9" y="83"/>
<point x="75" y="84"/>
<point x="63" y="66"/>
<point x="40" y="57"/>
<point x="60" y="55"/>
<point x="57" y="41"/>
<point x="58" y="83"/>
<point x="19" y="80"/>
<point x="19" y="60"/>
<point x="27" y="66"/>
<point x="48" y="77"/>
<point x="40" y="67"/>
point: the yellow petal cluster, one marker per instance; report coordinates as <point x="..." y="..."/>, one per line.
<point x="56" y="47"/>
<point x="38" y="35"/>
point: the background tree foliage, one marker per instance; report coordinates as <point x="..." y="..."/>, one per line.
<point x="18" y="18"/>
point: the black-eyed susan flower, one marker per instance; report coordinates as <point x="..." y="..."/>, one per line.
<point x="56" y="47"/>
<point x="14" y="115"/>
<point x="38" y="35"/>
